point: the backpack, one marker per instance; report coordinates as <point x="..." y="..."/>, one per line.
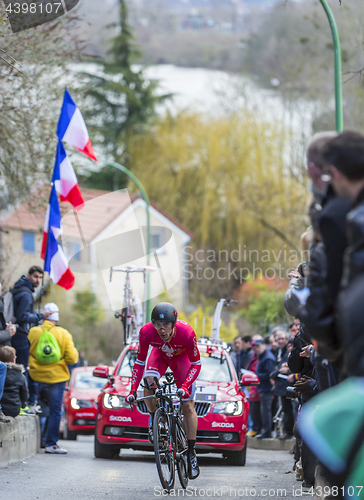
<point x="8" y="301"/>
<point x="48" y="351"/>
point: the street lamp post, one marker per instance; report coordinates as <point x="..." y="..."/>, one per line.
<point x="146" y="199"/>
<point x="339" y="122"/>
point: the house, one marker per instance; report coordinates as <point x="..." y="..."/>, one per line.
<point x="108" y="232"/>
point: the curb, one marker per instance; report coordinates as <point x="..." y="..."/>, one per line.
<point x="19" y="439"/>
<point x="271" y="444"/>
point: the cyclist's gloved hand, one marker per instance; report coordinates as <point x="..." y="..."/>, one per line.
<point x="131" y="397"/>
<point x="183" y="391"/>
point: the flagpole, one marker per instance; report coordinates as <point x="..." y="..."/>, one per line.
<point x="45" y="256"/>
<point x="79" y="228"/>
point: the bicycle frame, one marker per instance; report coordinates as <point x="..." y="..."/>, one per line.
<point x="127" y="315"/>
<point x="178" y="439"/>
<point x="166" y="401"/>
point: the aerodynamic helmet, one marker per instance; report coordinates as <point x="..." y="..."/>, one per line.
<point x="164" y="312"/>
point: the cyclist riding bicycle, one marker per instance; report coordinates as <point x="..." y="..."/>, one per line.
<point x="174" y="345"/>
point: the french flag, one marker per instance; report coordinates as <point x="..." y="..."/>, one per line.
<point x="72" y="128"/>
<point x="56" y="264"/>
<point x="52" y="219"/>
<point x="65" y="180"/>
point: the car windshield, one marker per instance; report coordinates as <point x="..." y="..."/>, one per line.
<point x="214" y="368"/>
<point x="127" y="364"/>
<point x="85" y="380"/>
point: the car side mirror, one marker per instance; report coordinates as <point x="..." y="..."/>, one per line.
<point x="249" y="378"/>
<point x="101" y="372"/>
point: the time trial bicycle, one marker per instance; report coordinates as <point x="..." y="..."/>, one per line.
<point x="169" y="436"/>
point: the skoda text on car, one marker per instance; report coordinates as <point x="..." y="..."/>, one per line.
<point x="220" y="402"/>
<point x="80" y="402"/>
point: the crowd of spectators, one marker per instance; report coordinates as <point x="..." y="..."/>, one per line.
<point x="25" y="378"/>
<point x="268" y="358"/>
<point x="326" y="293"/>
<point x="322" y="350"/>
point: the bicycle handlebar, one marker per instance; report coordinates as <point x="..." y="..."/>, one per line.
<point x="162" y="395"/>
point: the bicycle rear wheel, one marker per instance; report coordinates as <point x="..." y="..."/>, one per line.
<point x="182" y="447"/>
<point x="163" y="449"/>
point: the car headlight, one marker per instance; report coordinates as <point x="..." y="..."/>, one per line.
<point x="234" y="408"/>
<point x="77" y="404"/>
<point x="114" y="401"/>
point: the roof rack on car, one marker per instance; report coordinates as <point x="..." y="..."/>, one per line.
<point x="215" y="336"/>
<point x="212" y="343"/>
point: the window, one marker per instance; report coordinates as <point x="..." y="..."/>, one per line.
<point x="28" y="242"/>
<point x="214" y="368"/>
<point x="155" y="239"/>
<point x="126" y="367"/>
<point x="76" y="251"/>
<point x="85" y="380"/>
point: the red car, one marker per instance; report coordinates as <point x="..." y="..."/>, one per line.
<point x="80" y="402"/>
<point x="220" y="403"/>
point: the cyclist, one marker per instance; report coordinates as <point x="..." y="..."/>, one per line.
<point x="173" y="345"/>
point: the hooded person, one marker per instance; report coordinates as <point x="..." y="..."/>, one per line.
<point x="15" y="392"/>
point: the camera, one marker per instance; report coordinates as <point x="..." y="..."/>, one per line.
<point x="301" y="269"/>
<point x="291" y="393"/>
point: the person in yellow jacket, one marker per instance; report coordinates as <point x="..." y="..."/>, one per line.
<point x="52" y="376"/>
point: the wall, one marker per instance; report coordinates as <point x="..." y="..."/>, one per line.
<point x="19" y="439"/>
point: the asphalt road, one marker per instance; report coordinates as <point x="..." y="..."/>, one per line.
<point x="133" y="476"/>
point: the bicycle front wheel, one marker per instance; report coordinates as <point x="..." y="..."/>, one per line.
<point x="163" y="449"/>
<point x="182" y="448"/>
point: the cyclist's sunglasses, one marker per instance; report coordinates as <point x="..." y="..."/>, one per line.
<point x="160" y="324"/>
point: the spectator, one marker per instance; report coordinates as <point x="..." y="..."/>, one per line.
<point x="265" y="366"/>
<point x="345" y="157"/>
<point x="24" y="312"/>
<point x="294" y="327"/>
<point x="271" y="341"/>
<point x="3" y="418"/>
<point x="328" y="215"/>
<point x="15" y="393"/>
<point x="235" y="354"/>
<point x="52" y="376"/>
<point x="280" y="378"/>
<point x="254" y="399"/>
<point x="243" y="353"/>
<point x="326" y="258"/>
<point x="299" y="361"/>
<point x="81" y="359"/>
<point x="6" y="331"/>
<point x="290" y="345"/>
<point x="291" y="302"/>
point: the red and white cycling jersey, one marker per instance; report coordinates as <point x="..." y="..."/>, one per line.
<point x="181" y="348"/>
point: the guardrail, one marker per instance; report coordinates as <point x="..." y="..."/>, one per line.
<point x="19" y="439"/>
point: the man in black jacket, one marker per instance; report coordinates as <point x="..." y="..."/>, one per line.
<point x="265" y="366"/>
<point x="345" y="158"/>
<point x="243" y="353"/>
<point x="280" y="378"/>
<point x="328" y="218"/>
<point x="24" y="312"/>
<point x="300" y="362"/>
